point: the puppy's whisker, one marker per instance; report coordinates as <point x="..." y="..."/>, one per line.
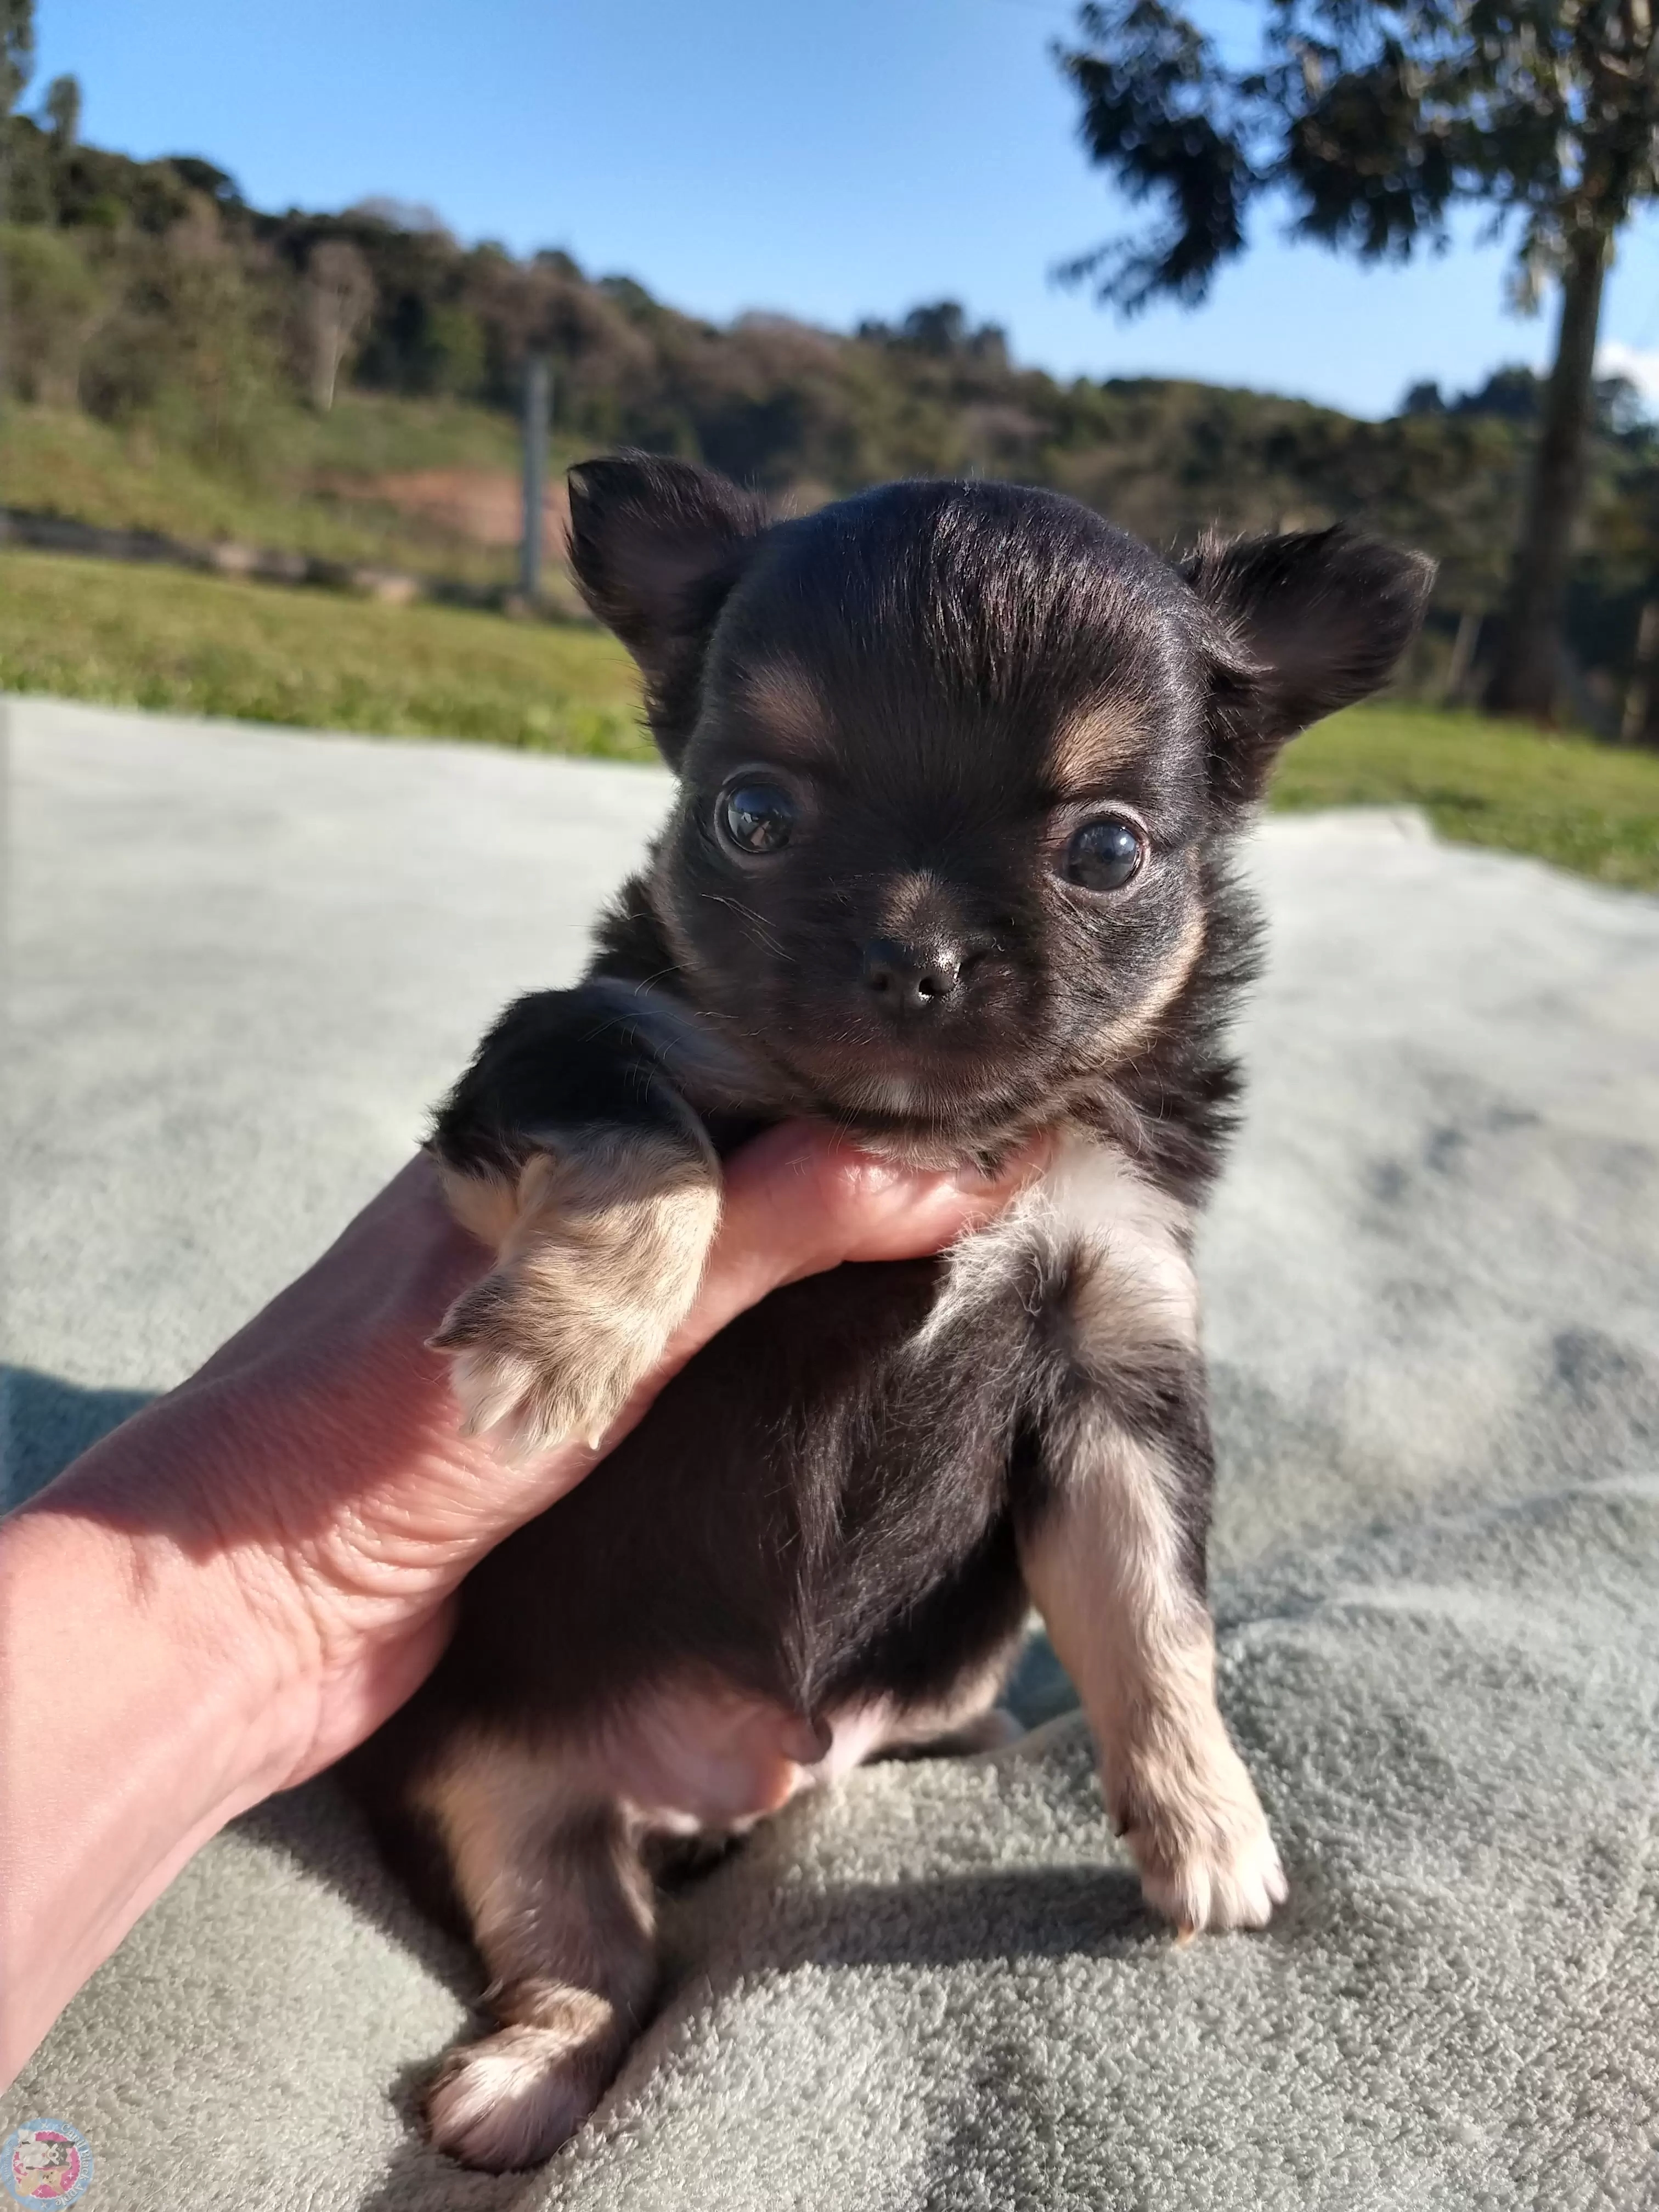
<point x="766" y="935"/>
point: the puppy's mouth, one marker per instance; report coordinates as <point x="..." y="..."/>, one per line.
<point x="885" y="1085"/>
<point x="959" y="1083"/>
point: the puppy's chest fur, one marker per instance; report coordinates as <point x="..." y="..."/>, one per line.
<point x="821" y="1508"/>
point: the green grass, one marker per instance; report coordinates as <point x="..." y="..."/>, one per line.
<point x="59" y="461"/>
<point x="203" y="645"/>
<point x="1592" y="808"/>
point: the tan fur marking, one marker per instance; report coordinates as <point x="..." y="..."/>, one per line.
<point x="498" y="1807"/>
<point x="601" y="1248"/>
<point x="562" y="1913"/>
<point x="511" y="2099"/>
<point x="1103" y="1569"/>
<point x="968" y="1719"/>
<point x="485" y="1206"/>
<point x="1140" y="1290"/>
<point x="784" y="702"/>
<point x="1089" y="750"/>
<point x="1117" y="1040"/>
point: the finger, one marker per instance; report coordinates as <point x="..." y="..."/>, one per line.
<point x="916" y="1214"/>
<point x="799" y="1200"/>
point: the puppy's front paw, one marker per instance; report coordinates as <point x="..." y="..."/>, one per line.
<point x="1198" y="1835"/>
<point x="539" y="1358"/>
<point x="601" y="1246"/>
<point x="512" y="2100"/>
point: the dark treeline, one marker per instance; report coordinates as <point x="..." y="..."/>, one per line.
<point x="152" y="290"/>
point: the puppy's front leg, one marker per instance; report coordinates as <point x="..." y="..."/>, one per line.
<point x="1105" y="1565"/>
<point x="1114" y="1560"/>
<point x="567" y="1146"/>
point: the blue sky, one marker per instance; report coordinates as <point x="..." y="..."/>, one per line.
<point x="836" y="160"/>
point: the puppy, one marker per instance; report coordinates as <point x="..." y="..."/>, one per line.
<point x="960" y="768"/>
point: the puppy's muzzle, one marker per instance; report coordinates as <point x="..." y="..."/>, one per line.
<point x="910" y="980"/>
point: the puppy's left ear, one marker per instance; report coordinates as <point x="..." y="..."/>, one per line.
<point x="656" y="546"/>
<point x="1310" y="621"/>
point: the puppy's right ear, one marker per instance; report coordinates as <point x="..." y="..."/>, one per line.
<point x="656" y="545"/>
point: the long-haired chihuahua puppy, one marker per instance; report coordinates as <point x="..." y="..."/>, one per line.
<point x="960" y="770"/>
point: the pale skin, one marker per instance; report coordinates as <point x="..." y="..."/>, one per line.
<point x="238" y="1585"/>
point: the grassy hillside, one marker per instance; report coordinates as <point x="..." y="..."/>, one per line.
<point x="280" y="377"/>
<point x="206" y="646"/>
<point x="328" y="486"/>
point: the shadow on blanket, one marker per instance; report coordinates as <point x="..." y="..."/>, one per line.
<point x="46" y="1422"/>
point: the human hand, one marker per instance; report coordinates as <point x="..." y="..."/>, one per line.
<point x="264" y="1560"/>
<point x="314" y="1468"/>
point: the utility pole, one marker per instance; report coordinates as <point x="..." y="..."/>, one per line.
<point x="538" y="411"/>
<point x="1462" y="656"/>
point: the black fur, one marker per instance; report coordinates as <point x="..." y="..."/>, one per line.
<point x="752" y="1520"/>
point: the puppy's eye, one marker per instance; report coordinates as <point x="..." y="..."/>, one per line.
<point x="1104" y="855"/>
<point x="757" y="817"/>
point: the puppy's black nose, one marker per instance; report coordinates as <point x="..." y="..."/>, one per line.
<point x="911" y="979"/>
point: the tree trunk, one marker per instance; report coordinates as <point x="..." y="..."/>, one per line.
<point x="1638" y="692"/>
<point x="1528" y="671"/>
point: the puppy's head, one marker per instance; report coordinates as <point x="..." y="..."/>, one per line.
<point x="954" y="759"/>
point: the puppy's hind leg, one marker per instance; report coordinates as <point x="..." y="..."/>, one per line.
<point x="562" y="1912"/>
<point x="968" y="1719"/>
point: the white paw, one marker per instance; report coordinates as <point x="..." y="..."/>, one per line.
<point x="512" y="2100"/>
<point x="1206" y="1856"/>
<point x="539" y="1360"/>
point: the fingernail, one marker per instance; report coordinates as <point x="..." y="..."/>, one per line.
<point x="978" y="1183"/>
<point x="977" y="1179"/>
<point x="1006" y="1173"/>
<point x="877" y="1170"/>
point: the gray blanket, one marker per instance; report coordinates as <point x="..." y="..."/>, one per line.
<point x="243" y="963"/>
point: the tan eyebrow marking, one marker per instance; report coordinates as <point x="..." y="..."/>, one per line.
<point x="783" y="699"/>
<point x="1090" y="747"/>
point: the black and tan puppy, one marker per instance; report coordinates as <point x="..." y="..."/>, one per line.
<point x="960" y="768"/>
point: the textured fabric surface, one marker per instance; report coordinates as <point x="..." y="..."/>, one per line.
<point x="243" y="964"/>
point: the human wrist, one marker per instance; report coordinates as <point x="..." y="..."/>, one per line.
<point x="184" y="1577"/>
<point x="139" y="1717"/>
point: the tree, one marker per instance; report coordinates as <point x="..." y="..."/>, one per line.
<point x="54" y="300"/>
<point x="62" y="109"/>
<point x="339" y="299"/>
<point x="16" y="52"/>
<point x="1375" y="120"/>
<point x="192" y="344"/>
<point x="17" y="66"/>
